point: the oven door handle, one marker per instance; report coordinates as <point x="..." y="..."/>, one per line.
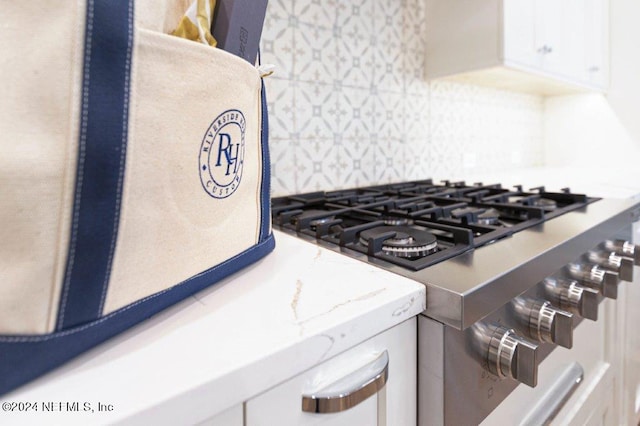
<point x="548" y="407"/>
<point x="350" y="390"/>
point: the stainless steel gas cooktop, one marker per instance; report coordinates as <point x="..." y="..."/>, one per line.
<point x="418" y="224"/>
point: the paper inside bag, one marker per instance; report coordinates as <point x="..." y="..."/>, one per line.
<point x="196" y="22"/>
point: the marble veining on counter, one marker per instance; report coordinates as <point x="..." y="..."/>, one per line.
<point x="297" y="307"/>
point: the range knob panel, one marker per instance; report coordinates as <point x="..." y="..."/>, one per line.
<point x="512" y="356"/>
<point x="545" y="313"/>
<point x="544" y="322"/>
<point x="572" y="297"/>
<point x="595" y="277"/>
<point x="624" y="248"/>
<point x="610" y="261"/>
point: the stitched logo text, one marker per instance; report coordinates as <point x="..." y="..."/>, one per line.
<point x="221" y="156"/>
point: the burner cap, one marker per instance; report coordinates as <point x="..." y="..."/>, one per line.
<point x="314" y="222"/>
<point x="396" y="220"/>
<point x="545" y="203"/>
<point x="489" y="217"/>
<point x="408" y="242"/>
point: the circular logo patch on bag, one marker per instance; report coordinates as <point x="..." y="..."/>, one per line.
<point x="222" y="154"/>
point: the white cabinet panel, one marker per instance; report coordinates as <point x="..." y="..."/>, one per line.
<point x="519" y="36"/>
<point x="550" y="19"/>
<point x="630" y="345"/>
<point x="597" y="39"/>
<point x="234" y="416"/>
<point x="395" y="404"/>
<point x="282" y="407"/>
<point x="573" y="40"/>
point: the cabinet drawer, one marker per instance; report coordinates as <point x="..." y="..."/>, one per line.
<point x="394" y="404"/>
<point x="230" y="417"/>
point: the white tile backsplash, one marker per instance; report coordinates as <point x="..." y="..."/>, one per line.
<point x="349" y="104"/>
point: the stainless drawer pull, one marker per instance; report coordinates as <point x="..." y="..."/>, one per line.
<point x="351" y="390"/>
<point x="550" y="404"/>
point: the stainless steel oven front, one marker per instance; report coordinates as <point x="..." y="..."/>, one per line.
<point x="537" y="340"/>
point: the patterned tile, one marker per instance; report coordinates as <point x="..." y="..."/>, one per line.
<point x="279" y="9"/>
<point x="283" y="167"/>
<point x="316" y="53"/>
<point x="319" y="165"/>
<point x="281" y="106"/>
<point x="353" y="31"/>
<point x="316" y="110"/>
<point x="357" y="114"/>
<point x="389" y="121"/>
<point x="417" y="157"/>
<point x="416" y="115"/>
<point x="349" y="104"/>
<point x="414" y="41"/>
<point x="318" y="13"/>
<point x="359" y="165"/>
<point x="389" y="50"/>
<point x="278" y="48"/>
<point x="388" y="160"/>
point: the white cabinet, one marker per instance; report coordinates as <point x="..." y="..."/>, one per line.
<point x="233" y="416"/>
<point x="541" y="46"/>
<point x="629" y="345"/>
<point x="395" y="404"/>
<point x="597" y="40"/>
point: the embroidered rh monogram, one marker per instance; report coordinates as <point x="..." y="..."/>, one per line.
<point x="222" y="154"/>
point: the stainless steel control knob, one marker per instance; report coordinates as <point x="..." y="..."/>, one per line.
<point x="595" y="277"/>
<point x="624" y="248"/>
<point x="610" y="261"/>
<point x="512" y="356"/>
<point x="544" y="322"/>
<point x="572" y="297"/>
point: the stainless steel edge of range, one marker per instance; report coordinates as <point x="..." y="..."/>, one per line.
<point x="477" y="368"/>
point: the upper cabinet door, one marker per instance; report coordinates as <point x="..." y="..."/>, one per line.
<point x="574" y="39"/>
<point x="555" y="32"/>
<point x="519" y="33"/>
<point x="597" y="41"/>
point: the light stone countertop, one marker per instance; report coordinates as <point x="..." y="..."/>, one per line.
<point x="300" y="305"/>
<point x="604" y="182"/>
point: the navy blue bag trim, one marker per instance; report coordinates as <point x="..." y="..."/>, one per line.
<point x="265" y="186"/>
<point x="101" y="159"/>
<point x="24" y="358"/>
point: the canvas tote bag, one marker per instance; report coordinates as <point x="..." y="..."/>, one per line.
<point x="134" y="171"/>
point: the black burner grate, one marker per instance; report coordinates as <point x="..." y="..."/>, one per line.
<point x="460" y="216"/>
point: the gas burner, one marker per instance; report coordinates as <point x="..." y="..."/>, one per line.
<point x="408" y="242"/>
<point x="516" y="199"/>
<point x="545" y="203"/>
<point x="489" y="217"/>
<point x="396" y="220"/>
<point x="314" y="223"/>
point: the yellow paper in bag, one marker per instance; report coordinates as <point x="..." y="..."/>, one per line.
<point x="196" y="23"/>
